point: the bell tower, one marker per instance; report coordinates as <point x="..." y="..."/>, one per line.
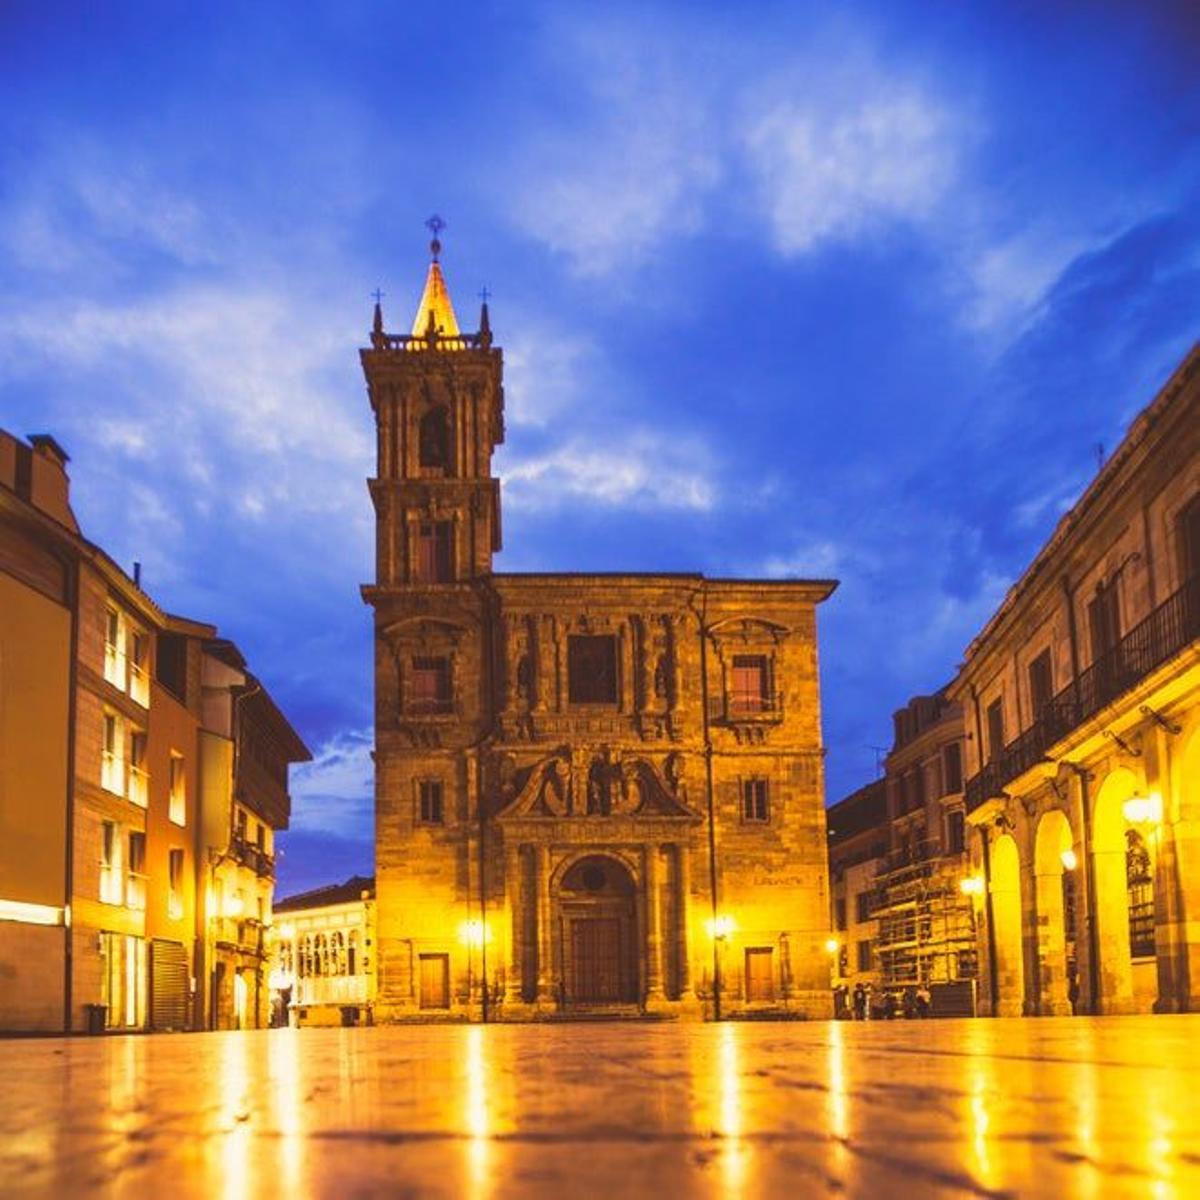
<point x="437" y="398"/>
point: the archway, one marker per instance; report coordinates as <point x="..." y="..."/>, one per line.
<point x="1111" y="888"/>
<point x="598" y="927"/>
<point x="1006" y="925"/>
<point x="1055" y="867"/>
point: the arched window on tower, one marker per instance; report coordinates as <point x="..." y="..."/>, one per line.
<point x="337" y="954"/>
<point x="433" y="439"/>
<point x="352" y="953"/>
<point x="1139" y="876"/>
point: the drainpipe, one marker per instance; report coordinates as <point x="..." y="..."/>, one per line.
<point x="69" y="832"/>
<point x="989" y="909"/>
<point x="993" y="981"/>
<point x="1089" y="865"/>
<point x="708" y="793"/>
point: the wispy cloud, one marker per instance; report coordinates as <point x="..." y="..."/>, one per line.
<point x="825" y="172"/>
<point x="335" y="791"/>
<point x="642" y="470"/>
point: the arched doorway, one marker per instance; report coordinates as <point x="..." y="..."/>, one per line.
<point x="1006" y="922"/>
<point x="598" y="924"/>
<point x="1111" y="887"/>
<point x="1055" y="868"/>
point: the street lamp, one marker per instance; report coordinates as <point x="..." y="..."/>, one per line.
<point x="1143" y="810"/>
<point x="971" y="885"/>
<point x="720" y="927"/>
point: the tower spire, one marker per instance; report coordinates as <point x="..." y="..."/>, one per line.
<point x="435" y="310"/>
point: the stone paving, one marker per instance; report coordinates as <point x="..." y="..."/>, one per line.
<point x="1043" y="1107"/>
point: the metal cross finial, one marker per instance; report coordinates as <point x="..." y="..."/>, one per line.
<point x="435" y="225"/>
<point x="484" y="294"/>
<point x="378" y="296"/>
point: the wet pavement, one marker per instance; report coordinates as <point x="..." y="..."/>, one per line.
<point x="1044" y="1107"/>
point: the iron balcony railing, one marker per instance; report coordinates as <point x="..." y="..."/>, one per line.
<point x="1169" y="629"/>
<point x="733" y="709"/>
<point x="253" y="856"/>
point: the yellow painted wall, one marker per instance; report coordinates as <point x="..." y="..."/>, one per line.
<point x="35" y="644"/>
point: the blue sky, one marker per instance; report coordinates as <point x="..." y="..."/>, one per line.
<point x="841" y="290"/>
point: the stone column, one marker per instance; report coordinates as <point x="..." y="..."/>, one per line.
<point x="545" y="972"/>
<point x="514" y="924"/>
<point x="541" y="654"/>
<point x="652" y="874"/>
<point x="646" y="672"/>
<point x="684" y="916"/>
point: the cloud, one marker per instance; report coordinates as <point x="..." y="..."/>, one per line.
<point x="643" y="470"/>
<point x="335" y="791"/>
<point x="827" y="173"/>
<point x="545" y="371"/>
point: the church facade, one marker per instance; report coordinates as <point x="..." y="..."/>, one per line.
<point x="594" y="793"/>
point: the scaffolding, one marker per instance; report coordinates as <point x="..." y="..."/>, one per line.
<point x="926" y="925"/>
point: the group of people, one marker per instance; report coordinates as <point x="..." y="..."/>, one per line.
<point x="867" y="1003"/>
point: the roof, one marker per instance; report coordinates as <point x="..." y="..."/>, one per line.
<point x="435" y="302"/>
<point x="331" y="893"/>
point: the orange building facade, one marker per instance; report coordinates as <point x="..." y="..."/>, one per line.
<point x="105" y="891"/>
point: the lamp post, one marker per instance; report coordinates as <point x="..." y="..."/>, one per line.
<point x="719" y="929"/>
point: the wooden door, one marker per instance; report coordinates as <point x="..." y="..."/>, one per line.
<point x="760" y="978"/>
<point x="435" y="981"/>
<point x="596" y="959"/>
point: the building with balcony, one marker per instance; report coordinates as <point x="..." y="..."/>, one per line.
<point x="594" y="793"/>
<point x="1081" y="698"/>
<point x="246" y="748"/>
<point x="102" y="736"/>
<point x="323" y="957"/>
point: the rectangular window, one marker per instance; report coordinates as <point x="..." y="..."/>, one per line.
<point x="175" y="884"/>
<point x="995" y="727"/>
<point x="1041" y="684"/>
<point x="114" y="647"/>
<point x="135" y="891"/>
<point x="862" y="907"/>
<point x="754" y="800"/>
<point x="430" y="690"/>
<point x="178" y="794"/>
<point x="955" y="830"/>
<point x="864" y="955"/>
<point x="139" y="669"/>
<point x="429" y="802"/>
<point x="112" y="763"/>
<point x="592" y="669"/>
<point x="111" y="891"/>
<point x="435" y="552"/>
<point x="760" y="975"/>
<point x="952" y="769"/>
<point x="435" y="981"/>
<point x="749" y="691"/>
<point x="1189" y="539"/>
<point x="170" y="664"/>
<point x="1104" y="623"/>
<point x="839" y="914"/>
<point x="139" y="778"/>
<point x="917" y="791"/>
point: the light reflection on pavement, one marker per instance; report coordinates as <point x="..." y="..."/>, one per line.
<point x="1087" y="1107"/>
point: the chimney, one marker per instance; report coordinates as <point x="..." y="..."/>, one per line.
<point x="49" y="484"/>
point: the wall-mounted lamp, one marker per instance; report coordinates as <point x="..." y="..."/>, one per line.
<point x="474" y="933"/>
<point x="971" y="885"/>
<point x="832" y="945"/>
<point x="1143" y="810"/>
<point x="1069" y="861"/>
<point x="719" y="927"/>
